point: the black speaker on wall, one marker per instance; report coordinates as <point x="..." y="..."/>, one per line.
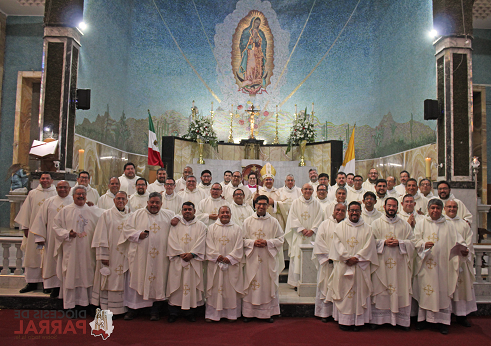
<point x="432" y="110"/>
<point x="83" y="98"/>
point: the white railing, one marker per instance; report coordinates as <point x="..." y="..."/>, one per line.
<point x="479" y="250"/>
<point x="6" y="245"/>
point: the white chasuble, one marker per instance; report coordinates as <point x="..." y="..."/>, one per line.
<point x="462" y="210"/>
<point x="106" y="201"/>
<point x="108" y="232"/>
<point x="194" y="196"/>
<point x="156" y="187"/>
<point x="138" y="201"/>
<point x="128" y="185"/>
<point x="355" y="195"/>
<point x="208" y="206"/>
<point x="392" y="291"/>
<point x="225" y="282"/>
<point x="370" y="216"/>
<point x="172" y="202"/>
<point x="279" y="210"/>
<point x="92" y="194"/>
<point x="42" y="231"/>
<point x="350" y="287"/>
<point x="368" y="186"/>
<point x="304" y="215"/>
<point x="287" y="196"/>
<point x="263" y="266"/>
<point x="240" y="213"/>
<point x="228" y="193"/>
<point x="147" y="258"/>
<point x="180" y="185"/>
<point x="420" y="200"/>
<point x="405" y="216"/>
<point x="324" y="203"/>
<point x="185" y="286"/>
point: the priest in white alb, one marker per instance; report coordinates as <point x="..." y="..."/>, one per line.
<point x="419" y="200"/>
<point x="128" y="179"/>
<point x="369" y="213"/>
<point x="321" y="197"/>
<point x="171" y="200"/>
<point x="186" y="252"/>
<point x="240" y="210"/>
<point x="263" y="248"/>
<point x="392" y="291"/>
<point x="25" y="218"/>
<point x="408" y="213"/>
<point x="303" y="221"/>
<point x="106" y="201"/>
<point x="147" y="231"/>
<point x="43" y="233"/>
<point x="111" y="257"/>
<point x="445" y="194"/>
<point x="356" y="192"/>
<point x="323" y="241"/>
<point x="207" y="209"/>
<point x="159" y="184"/>
<point x="354" y="254"/>
<point x="92" y="194"/>
<point x="289" y="192"/>
<point x="340" y="197"/>
<point x="369" y="184"/>
<point x="74" y="226"/>
<point x="191" y="193"/>
<point x="225" y="279"/>
<point x="139" y="199"/>
<point x="181" y="182"/>
<point x="205" y="183"/>
<point x="236" y="183"/>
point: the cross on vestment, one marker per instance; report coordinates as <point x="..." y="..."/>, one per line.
<point x="430" y="264"/>
<point x="154" y="252"/>
<point x="389" y="235"/>
<point x="351" y="294"/>
<point x="151" y="277"/>
<point x="305" y="215"/>
<point x="186" y="289"/>
<point x="255" y="285"/>
<point x="220" y="290"/>
<point x="428" y="289"/>
<point x="390" y="263"/>
<point x="391" y="289"/>
<point x="120" y="227"/>
<point x="154" y="228"/>
<point x="120" y="252"/>
<point x="434" y="238"/>
<point x="241" y="218"/>
<point x="119" y="269"/>
<point x="259" y="234"/>
<point x="460" y="281"/>
<point x="41" y="203"/>
<point x="352" y="242"/>
<point x="60" y="207"/>
<point x="224" y="240"/>
<point x="186" y="239"/>
<point x="260" y="260"/>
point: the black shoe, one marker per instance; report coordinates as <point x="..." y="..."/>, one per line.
<point x="191" y="318"/>
<point x="443" y="329"/>
<point x="421" y="325"/>
<point x="29" y="288"/>
<point x="344" y="328"/>
<point x="154" y="317"/>
<point x="55" y="292"/>
<point x="374" y="326"/>
<point x="406" y="329"/>
<point x="246" y="319"/>
<point x="356" y="328"/>
<point x="462" y="320"/>
<point x="270" y="320"/>
<point x="47" y="290"/>
<point x="131" y="314"/>
<point x="172" y="318"/>
<point x="324" y="320"/>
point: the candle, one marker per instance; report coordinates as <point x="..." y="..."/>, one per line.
<point x="428" y="167"/>
<point x="193" y="103"/>
<point x="212" y="106"/>
<point x="81" y="154"/>
<point x="276" y="108"/>
<point x="295" y="108"/>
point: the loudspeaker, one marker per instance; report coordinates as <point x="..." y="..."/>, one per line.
<point x="83" y="98"/>
<point x="432" y="110"/>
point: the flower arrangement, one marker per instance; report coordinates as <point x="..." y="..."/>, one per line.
<point x="202" y="128"/>
<point x="303" y="129"/>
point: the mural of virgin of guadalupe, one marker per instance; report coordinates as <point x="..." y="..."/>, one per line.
<point x="252" y="47"/>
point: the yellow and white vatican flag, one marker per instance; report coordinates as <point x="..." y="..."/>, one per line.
<point x="154" y="158"/>
<point x="349" y="158"/>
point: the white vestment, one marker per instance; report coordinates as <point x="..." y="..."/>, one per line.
<point x="76" y="255"/>
<point x="42" y="231"/>
<point x="370" y="216"/>
<point x="138" y="201"/>
<point x="368" y="186"/>
<point x="304" y="214"/>
<point x="205" y="188"/>
<point x="106" y="201"/>
<point x="350" y="288"/>
<point x="128" y="185"/>
<point x="225" y="282"/>
<point x="464" y="298"/>
<point x="194" y="196"/>
<point x="314" y="185"/>
<point x="405" y="216"/>
<point x="278" y="210"/>
<point x="92" y="194"/>
<point x="332" y="191"/>
<point x="287" y="195"/>
<point x="429" y="196"/>
<point x="330" y="208"/>
<point x="25" y="218"/>
<point x="240" y="213"/>
<point x="209" y="206"/>
<point x="323" y="241"/>
<point x="393" y="193"/>
<point x="355" y="195"/>
<point x="224" y="185"/>
<point x="392" y="291"/>
<point x="462" y="210"/>
<point x="185" y="286"/>
<point x="435" y="275"/>
<point x="228" y="193"/>
<point x="156" y="187"/>
<point x="263" y="266"/>
<point x="180" y="184"/>
<point x="400" y="189"/>
<point x="108" y="289"/>
<point x="380" y="203"/>
<point x="148" y="263"/>
<point x="324" y="203"/>
<point x="420" y="200"/>
<point x="172" y="202"/>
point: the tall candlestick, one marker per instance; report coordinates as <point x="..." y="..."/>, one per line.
<point x="81" y="154"/>
<point x="212" y="106"/>
<point x="276" y="139"/>
<point x="312" y="107"/>
<point x="428" y="167"/>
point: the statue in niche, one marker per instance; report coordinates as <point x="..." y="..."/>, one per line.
<point x="19" y="176"/>
<point x="252" y="53"/>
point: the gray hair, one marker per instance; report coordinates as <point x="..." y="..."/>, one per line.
<point x="290" y="175"/>
<point x="79" y="187"/>
<point x="155" y="194"/>
<point x="342" y="189"/>
<point x="435" y="201"/>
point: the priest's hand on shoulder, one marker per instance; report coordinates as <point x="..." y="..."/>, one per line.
<point x="271" y="201"/>
<point x="174" y="221"/>
<point x="105" y="262"/>
<point x="352" y="261"/>
<point x="90" y="204"/>
<point x="143" y="235"/>
<point x="213" y="216"/>
<point x="186" y="256"/>
<point x="429" y="245"/>
<point x="72" y="234"/>
<point x="308" y="232"/>
<point x="260" y="243"/>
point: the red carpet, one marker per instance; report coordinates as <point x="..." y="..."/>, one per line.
<point x="285" y="331"/>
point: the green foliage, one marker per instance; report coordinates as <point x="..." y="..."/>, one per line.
<point x="202" y="128"/>
<point x="303" y="129"/>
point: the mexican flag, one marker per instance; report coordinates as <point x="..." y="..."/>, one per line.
<point x="154" y="158"/>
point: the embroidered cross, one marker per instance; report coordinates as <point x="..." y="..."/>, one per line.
<point x="259" y="234"/>
<point x="60" y="207"/>
<point x="255" y="285"/>
<point x="220" y="290"/>
<point x="186" y="239"/>
<point x="119" y="269"/>
<point x="351" y="294"/>
<point x="460" y="281"/>
<point x="430" y="264"/>
<point x="390" y="263"/>
<point x="120" y="227"/>
<point x="186" y="289"/>
<point x="352" y="242"/>
<point x="241" y="218"/>
<point x="214" y="211"/>
<point x="151" y="277"/>
<point x="223" y="240"/>
<point x="305" y="215"/>
<point x="391" y="289"/>
<point x="120" y="252"/>
<point x="154" y="228"/>
<point x="428" y="289"/>
<point x="260" y="260"/>
<point x="434" y="238"/>
<point x="389" y="235"/>
<point x="154" y="253"/>
<point x="41" y="203"/>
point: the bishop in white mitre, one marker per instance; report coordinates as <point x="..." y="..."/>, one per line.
<point x="303" y="221"/>
<point x="225" y="279"/>
<point x="111" y="257"/>
<point x="25" y="218"/>
<point x="139" y="199"/>
<point x="147" y="231"/>
<point x="263" y="247"/>
<point x="171" y="200"/>
<point x="436" y="269"/>
<point x="207" y="209"/>
<point x="392" y="291"/>
<point x="186" y="252"/>
<point x="240" y="210"/>
<point x="191" y="193"/>
<point x="464" y="298"/>
<point x="74" y="226"/>
<point x="106" y="201"/>
<point x="354" y="254"/>
<point x="323" y="241"/>
<point x="44" y="235"/>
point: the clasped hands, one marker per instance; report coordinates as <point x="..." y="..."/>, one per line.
<point x="186" y="256"/>
<point x="222" y="259"/>
<point x="308" y="232"/>
<point x="260" y="243"/>
<point x="391" y="242"/>
<point x="352" y="261"/>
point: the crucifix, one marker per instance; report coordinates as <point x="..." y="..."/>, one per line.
<point x="252" y="119"/>
<point x="390" y="263"/>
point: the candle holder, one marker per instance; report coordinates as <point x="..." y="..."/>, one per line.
<point x="230" y="135"/>
<point x="276" y="140"/>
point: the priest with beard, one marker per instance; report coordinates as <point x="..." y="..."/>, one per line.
<point x="44" y="235"/>
<point x="225" y="280"/>
<point x="323" y="241"/>
<point x="263" y="249"/>
<point x="445" y="194"/>
<point x="171" y="200"/>
<point x="92" y="194"/>
<point x="369" y="184"/>
<point x="106" y="201"/>
<point x="147" y="231"/>
<point x="302" y="224"/>
<point x="240" y="210"/>
<point x="159" y="184"/>
<point x="128" y="179"/>
<point x="207" y="210"/>
<point x="192" y="193"/>
<point x="111" y="256"/>
<point x="140" y="198"/>
<point x="205" y="184"/>
<point x="74" y="226"/>
<point x="392" y="291"/>
<point x="354" y="253"/>
<point x="419" y="200"/>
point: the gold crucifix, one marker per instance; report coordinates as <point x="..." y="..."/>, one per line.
<point x="151" y="277"/>
<point x="120" y="227"/>
<point x="154" y="252"/>
<point x="390" y="263"/>
<point x="428" y="290"/>
<point x="259" y="234"/>
<point x="223" y="240"/>
<point x="430" y="264"/>
<point x="154" y="228"/>
<point x="186" y="289"/>
<point x="305" y="215"/>
<point x="186" y="239"/>
<point x="255" y="285"/>
<point x="352" y="242"/>
<point x="60" y="207"/>
<point x="351" y="294"/>
<point x="389" y="235"/>
<point x="119" y="270"/>
<point x="391" y="289"/>
<point x="252" y="119"/>
<point x="434" y="238"/>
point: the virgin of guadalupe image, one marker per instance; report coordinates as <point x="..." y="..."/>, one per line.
<point x="252" y="45"/>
